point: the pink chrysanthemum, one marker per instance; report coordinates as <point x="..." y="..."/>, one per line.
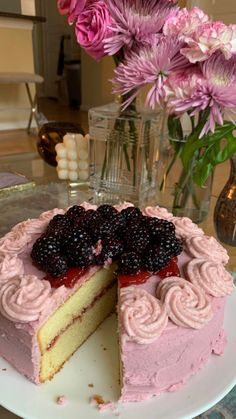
<point x="136" y="23"/>
<point x="151" y="65"/>
<point x="215" y="90"/>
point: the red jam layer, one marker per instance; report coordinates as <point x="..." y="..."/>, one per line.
<point x="68" y="279"/>
<point x="171" y="269"/>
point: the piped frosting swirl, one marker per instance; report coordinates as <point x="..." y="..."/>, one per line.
<point x="187" y="305"/>
<point x="158" y="212"/>
<point x="15" y="241"/>
<point x="212" y="277"/>
<point x="10" y="266"/>
<point x="185" y="228"/>
<point x="48" y="215"/>
<point x="143" y="316"/>
<point x="122" y="206"/>
<point x="206" y="247"/>
<point x="23" y="298"/>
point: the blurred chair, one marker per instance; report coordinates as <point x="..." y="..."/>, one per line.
<point x="27" y="79"/>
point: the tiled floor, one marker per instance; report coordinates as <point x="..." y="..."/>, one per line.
<point x="18" y="141"/>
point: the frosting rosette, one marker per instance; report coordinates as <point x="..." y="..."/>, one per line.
<point x="31" y="226"/>
<point x="206" y="247"/>
<point x="15" y="241"/>
<point x="10" y="266"/>
<point x="185" y="228"/>
<point x="212" y="277"/>
<point x="48" y="215"/>
<point x="143" y="316"/>
<point x="158" y="212"/>
<point x="87" y="206"/>
<point x="23" y="298"/>
<point x="187" y="305"/>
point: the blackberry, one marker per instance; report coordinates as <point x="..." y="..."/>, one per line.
<point x="155" y="258"/>
<point x="56" y="265"/>
<point x="107" y="211"/>
<point x="111" y="248"/>
<point x="137" y="238"/>
<point x="75" y="212"/>
<point x="171" y="245"/>
<point x="131" y="213"/>
<point x="80" y="255"/>
<point x="59" y="225"/>
<point x="90" y="219"/>
<point x="44" y="247"/>
<point x="75" y="237"/>
<point x="129" y="263"/>
<point x="159" y="228"/>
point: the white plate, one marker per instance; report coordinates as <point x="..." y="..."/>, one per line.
<point x="94" y="365"/>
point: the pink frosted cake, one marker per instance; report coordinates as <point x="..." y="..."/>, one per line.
<point x="57" y="284"/>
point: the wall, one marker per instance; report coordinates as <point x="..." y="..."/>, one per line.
<point x="220" y="10"/>
<point x="16" y="55"/>
<point x="12" y="6"/>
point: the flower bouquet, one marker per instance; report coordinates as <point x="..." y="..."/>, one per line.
<point x="189" y="63"/>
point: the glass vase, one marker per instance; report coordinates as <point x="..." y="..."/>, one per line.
<point x="123" y="154"/>
<point x="177" y="190"/>
<point x="225" y="209"/>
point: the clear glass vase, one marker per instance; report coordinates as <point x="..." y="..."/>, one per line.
<point x="177" y="190"/>
<point x="123" y="154"/>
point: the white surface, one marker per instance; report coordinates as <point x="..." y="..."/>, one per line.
<point x="93" y="364"/>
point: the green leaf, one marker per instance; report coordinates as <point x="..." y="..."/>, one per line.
<point x="175" y="132"/>
<point x="194" y="143"/>
<point x="214" y="154"/>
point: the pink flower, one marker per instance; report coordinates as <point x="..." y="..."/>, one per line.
<point x="151" y="65"/>
<point x="209" y="38"/>
<point x="92" y="28"/>
<point x="185" y="22"/>
<point x="213" y="87"/>
<point x="136" y="23"/>
<point x="72" y="8"/>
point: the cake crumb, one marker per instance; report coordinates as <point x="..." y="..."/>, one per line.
<point x="61" y="400"/>
<point x="90" y="385"/>
<point x="4" y="369"/>
<point x="97" y="400"/>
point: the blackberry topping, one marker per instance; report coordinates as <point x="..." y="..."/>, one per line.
<point x="171" y="245"/>
<point x="75" y="237"/>
<point x="107" y="211"/>
<point x="75" y="212"/>
<point x="80" y="255"/>
<point x="131" y="213"/>
<point x="45" y="247"/>
<point x="59" y="225"/>
<point x="137" y="238"/>
<point x="155" y="258"/>
<point x="159" y="228"/>
<point x="56" y="265"/>
<point x="90" y="219"/>
<point x="130" y="263"/>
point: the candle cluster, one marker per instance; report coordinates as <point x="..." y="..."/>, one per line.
<point x="73" y="157"/>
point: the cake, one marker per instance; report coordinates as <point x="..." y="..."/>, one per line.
<point x="58" y="282"/>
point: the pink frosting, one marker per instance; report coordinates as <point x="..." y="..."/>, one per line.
<point x="15" y="242"/>
<point x="123" y="205"/>
<point x="206" y="247"/>
<point x="23" y="298"/>
<point x="210" y="276"/>
<point x="187" y="305"/>
<point x="185" y="228"/>
<point x="48" y="215"/>
<point x="10" y="266"/>
<point x="143" y="316"/>
<point x="158" y="212"/>
<point x="31" y="226"/>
